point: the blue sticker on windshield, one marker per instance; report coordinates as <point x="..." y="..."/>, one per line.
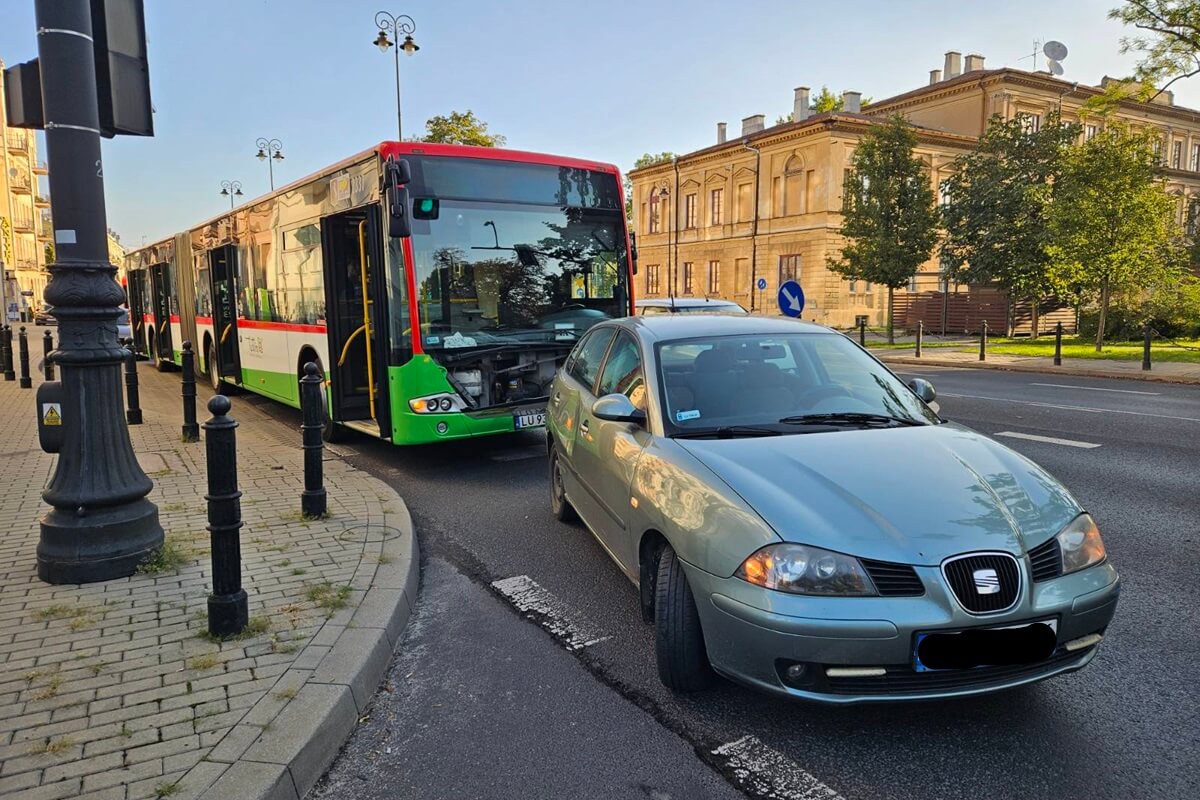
<point x="683" y="416"/>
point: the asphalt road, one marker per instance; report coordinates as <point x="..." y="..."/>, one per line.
<point x="485" y="701"/>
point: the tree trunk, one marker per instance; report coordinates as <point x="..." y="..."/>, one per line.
<point x="1103" y="317"/>
<point x="891" y="309"/>
<point x="1033" y="322"/>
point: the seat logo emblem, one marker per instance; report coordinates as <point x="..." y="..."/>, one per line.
<point x="986" y="581"/>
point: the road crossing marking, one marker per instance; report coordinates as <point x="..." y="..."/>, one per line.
<point x="1094" y="389"/>
<point x="1068" y="408"/>
<point x="762" y="771"/>
<point x="1047" y="439"/>
<point x="563" y="622"/>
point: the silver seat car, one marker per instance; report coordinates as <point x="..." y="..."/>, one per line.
<point x="800" y="520"/>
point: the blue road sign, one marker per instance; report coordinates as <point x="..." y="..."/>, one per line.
<point x="791" y="299"/>
<point x="761" y="283"/>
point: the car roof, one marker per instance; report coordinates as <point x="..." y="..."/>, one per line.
<point x="660" y="327"/>
<point x="683" y="302"/>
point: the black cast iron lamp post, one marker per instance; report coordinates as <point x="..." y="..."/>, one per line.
<point x="231" y="189"/>
<point x="100" y="525"/>
<point x="269" y="150"/>
<point x="397" y="26"/>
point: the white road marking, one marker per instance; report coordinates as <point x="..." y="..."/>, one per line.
<point x="1047" y="439"/>
<point x="1068" y="408"/>
<point x="1093" y="388"/>
<point x="762" y="771"/>
<point x="520" y="455"/>
<point x="563" y="622"/>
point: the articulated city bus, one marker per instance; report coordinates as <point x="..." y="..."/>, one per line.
<point x="437" y="287"/>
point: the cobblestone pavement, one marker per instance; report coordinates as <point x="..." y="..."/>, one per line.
<point x="112" y="690"/>
<point x="1165" y="371"/>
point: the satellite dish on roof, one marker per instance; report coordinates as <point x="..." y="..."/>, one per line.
<point x="1054" y="67"/>
<point x="1055" y="51"/>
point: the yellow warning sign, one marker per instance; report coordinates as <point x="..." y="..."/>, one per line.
<point x="51" y="414"/>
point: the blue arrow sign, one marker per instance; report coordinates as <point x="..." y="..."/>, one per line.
<point x="761" y="283"/>
<point x="791" y="299"/>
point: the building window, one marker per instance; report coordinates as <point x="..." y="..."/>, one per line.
<point x="716" y="205"/>
<point x="1090" y="132"/>
<point x="1177" y="155"/>
<point x="912" y="283"/>
<point x="714" y="277"/>
<point x="745" y="201"/>
<point x="687" y="277"/>
<point x="1030" y="122"/>
<point x="655" y="210"/>
<point x="789" y="268"/>
<point x="1193" y="211"/>
<point x="793" y="186"/>
<point x="847" y="189"/>
<point x="1158" y="156"/>
<point x="1196" y="158"/>
<point x="944" y="192"/>
<point x="652" y="284"/>
<point x="689" y="211"/>
<point x="853" y="286"/>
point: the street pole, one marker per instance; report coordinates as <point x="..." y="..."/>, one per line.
<point x="100" y="525"/>
<point x="397" y="25"/>
<point x="268" y="150"/>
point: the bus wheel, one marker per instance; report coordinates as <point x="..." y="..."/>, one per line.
<point x="214" y="372"/>
<point x="331" y="432"/>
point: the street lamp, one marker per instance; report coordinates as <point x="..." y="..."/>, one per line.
<point x="269" y="150"/>
<point x="397" y="26"/>
<point x="231" y="189"/>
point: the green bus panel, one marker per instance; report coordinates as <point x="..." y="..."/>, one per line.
<point x="423" y="376"/>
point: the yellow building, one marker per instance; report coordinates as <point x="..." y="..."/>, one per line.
<point x="765" y="206"/>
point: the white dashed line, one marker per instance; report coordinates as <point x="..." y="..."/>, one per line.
<point x="1085" y="409"/>
<point x="1047" y="439"/>
<point x="1093" y="388"/>
<point x="761" y="771"/>
<point x="567" y="625"/>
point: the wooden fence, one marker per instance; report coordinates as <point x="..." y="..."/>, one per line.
<point x="963" y="312"/>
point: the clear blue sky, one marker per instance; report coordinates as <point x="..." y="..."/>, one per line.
<point x="604" y="80"/>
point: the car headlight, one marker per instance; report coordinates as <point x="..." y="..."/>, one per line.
<point x="801" y="569"/>
<point x="1081" y="544"/>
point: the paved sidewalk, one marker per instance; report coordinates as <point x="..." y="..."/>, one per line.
<point x="1167" y="372"/>
<point x="112" y="690"/>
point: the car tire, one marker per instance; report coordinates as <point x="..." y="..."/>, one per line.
<point x="560" y="506"/>
<point x="678" y="639"/>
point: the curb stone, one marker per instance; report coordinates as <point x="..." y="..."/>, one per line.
<point x="1082" y="372"/>
<point x="289" y="745"/>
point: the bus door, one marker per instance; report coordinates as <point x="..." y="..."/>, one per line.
<point x="160" y="290"/>
<point x="135" y="286"/>
<point x="222" y="269"/>
<point x="356" y="316"/>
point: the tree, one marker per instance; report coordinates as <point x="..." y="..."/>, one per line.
<point x="645" y="160"/>
<point x="1168" y="46"/>
<point x="823" y="102"/>
<point x="1112" y="224"/>
<point x="889" y="222"/>
<point x="461" y="128"/>
<point x="997" y="202"/>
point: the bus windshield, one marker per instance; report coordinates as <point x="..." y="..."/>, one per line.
<point x="490" y="272"/>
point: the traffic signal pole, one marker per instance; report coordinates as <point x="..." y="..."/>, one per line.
<point x="100" y="525"/>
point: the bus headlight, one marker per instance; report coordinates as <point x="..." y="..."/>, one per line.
<point x="435" y="404"/>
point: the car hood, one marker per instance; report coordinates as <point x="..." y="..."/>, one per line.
<point x="912" y="495"/>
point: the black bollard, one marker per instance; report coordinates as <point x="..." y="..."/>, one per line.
<point x="133" y="408"/>
<point x="312" y="499"/>
<point x="1058" y="345"/>
<point x="983" y="342"/>
<point x="23" y="347"/>
<point x="1146" y="329"/>
<point x="191" y="431"/>
<point x="6" y="354"/>
<point x="47" y="349"/>
<point x="862" y="331"/>
<point x="920" y="335"/>
<point x="227" y="608"/>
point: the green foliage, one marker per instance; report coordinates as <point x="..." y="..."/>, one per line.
<point x="999" y="198"/>
<point x="890" y="223"/>
<point x="1112" y="225"/>
<point x="1167" y="43"/>
<point x="168" y="557"/>
<point x="645" y="160"/>
<point x="49" y="251"/>
<point x="824" y="101"/>
<point x="461" y="128"/>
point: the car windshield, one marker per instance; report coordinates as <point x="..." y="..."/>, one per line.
<point x="790" y="383"/>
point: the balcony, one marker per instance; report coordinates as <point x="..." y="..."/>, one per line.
<point x="19" y="182"/>
<point x="41" y="201"/>
<point x="16" y="141"/>
<point x="40" y="168"/>
<point x="23" y="224"/>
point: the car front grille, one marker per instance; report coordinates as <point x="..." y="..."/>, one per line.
<point x="970" y="575"/>
<point x="902" y="679"/>
<point x="1045" y="560"/>
<point x="893" y="580"/>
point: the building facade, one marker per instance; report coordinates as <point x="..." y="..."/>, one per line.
<point x="764" y="207"/>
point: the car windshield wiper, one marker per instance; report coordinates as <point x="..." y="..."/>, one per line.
<point x="727" y="432"/>
<point x="848" y="418"/>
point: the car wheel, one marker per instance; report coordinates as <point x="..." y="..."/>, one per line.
<point x="678" y="640"/>
<point x="560" y="507"/>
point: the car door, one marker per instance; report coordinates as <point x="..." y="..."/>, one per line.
<point x="608" y="451"/>
<point x="573" y="392"/>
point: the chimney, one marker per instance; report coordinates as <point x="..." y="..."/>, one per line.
<point x="935" y="76"/>
<point x="720" y="133"/>
<point x="753" y="124"/>
<point x="953" y="64"/>
<point x="800" y="110"/>
<point x="974" y="62"/>
<point x="852" y="102"/>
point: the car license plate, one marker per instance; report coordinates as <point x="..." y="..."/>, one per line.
<point x="1005" y="645"/>
<point x="530" y="419"/>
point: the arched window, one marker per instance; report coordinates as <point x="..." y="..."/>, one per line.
<point x="659" y="205"/>
<point x="793" y="186"/>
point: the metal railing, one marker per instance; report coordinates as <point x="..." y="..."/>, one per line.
<point x="16" y="141"/>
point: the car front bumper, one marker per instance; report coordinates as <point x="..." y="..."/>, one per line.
<point x="754" y="634"/>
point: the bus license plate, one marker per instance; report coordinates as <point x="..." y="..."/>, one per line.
<point x="530" y="419"/>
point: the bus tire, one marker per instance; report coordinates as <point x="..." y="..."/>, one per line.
<point x="331" y="432"/>
<point x="214" y="372"/>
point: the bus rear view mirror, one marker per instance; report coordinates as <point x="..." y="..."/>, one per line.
<point x="633" y="251"/>
<point x="399" y="173"/>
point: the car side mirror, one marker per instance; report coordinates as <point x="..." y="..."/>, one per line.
<point x="923" y="389"/>
<point x="618" y="408"/>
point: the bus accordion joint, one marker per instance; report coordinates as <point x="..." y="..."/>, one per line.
<point x="349" y="341"/>
<point x="225" y="333"/>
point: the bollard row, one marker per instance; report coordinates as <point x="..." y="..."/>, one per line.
<point x="133" y="408"/>
<point x="6" y="353"/>
<point x="23" y="348"/>
<point x="983" y="341"/>
<point x="313" y="500"/>
<point x="47" y="362"/>
<point x="191" y="431"/>
<point x="228" y="610"/>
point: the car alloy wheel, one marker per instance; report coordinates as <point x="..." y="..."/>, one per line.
<point x="678" y="639"/>
<point x="560" y="507"/>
